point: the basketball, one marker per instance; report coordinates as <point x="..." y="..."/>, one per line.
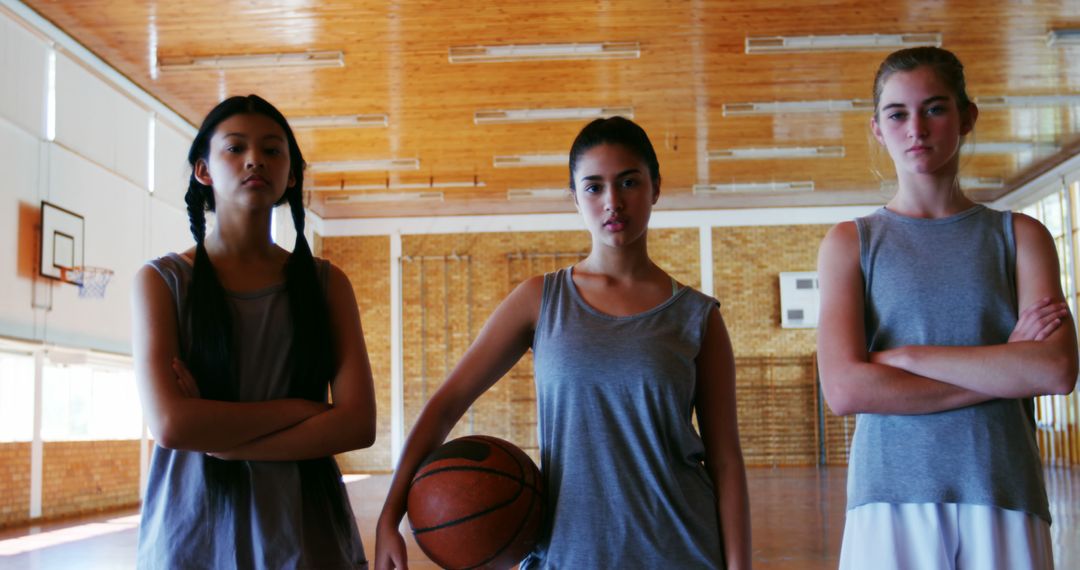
<point x="476" y="502"/>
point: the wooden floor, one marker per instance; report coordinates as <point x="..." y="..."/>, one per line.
<point x="798" y="518"/>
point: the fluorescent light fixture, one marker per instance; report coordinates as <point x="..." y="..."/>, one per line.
<point x="1011" y="147"/>
<point x="386" y="197"/>
<point x="545" y="52"/>
<point x="843" y="42"/>
<point x="254" y="61"/>
<point x="776" y="152"/>
<point x="538" y="194"/>
<point x="376" y="165"/>
<point x="1067" y="100"/>
<point x="781" y="107"/>
<point x="401" y="186"/>
<point x="754" y="187"/>
<point x="557" y="114"/>
<point x="340" y="121"/>
<point x="1063" y="37"/>
<point x="525" y="160"/>
<point x="971" y="182"/>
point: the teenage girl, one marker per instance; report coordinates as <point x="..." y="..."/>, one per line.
<point x="940" y="320"/>
<point x="623" y="356"/>
<point x="236" y="342"/>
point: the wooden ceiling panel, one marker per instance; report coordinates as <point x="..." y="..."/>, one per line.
<point x="692" y="63"/>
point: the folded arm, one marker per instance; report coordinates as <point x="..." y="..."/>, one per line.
<point x="350" y="422"/>
<point x="1024" y="367"/>
<point x="176" y="420"/>
<point x="851" y="382"/>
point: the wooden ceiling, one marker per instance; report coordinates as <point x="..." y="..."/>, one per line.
<point x="692" y="62"/>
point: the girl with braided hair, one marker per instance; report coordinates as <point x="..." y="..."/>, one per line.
<point x="236" y="344"/>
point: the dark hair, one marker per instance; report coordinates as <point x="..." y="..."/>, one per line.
<point x="942" y="61"/>
<point x="209" y="349"/>
<point x="615" y="130"/>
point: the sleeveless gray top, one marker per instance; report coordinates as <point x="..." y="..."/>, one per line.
<point x="269" y="530"/>
<point x="621" y="461"/>
<point x="944" y="282"/>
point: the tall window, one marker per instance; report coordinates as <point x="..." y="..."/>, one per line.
<point x="1058" y="417"/>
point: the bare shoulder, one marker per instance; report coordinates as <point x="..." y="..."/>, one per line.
<point x="1029" y="231"/>
<point x="841" y="243"/>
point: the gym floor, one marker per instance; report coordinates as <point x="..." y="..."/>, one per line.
<point x="798" y="518"/>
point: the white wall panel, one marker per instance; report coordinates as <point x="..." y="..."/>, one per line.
<point x="23" y="65"/>
<point x="168" y="229"/>
<point x="132" y="128"/>
<point x="84" y="117"/>
<point x="19" y="160"/>
<point x="171" y="170"/>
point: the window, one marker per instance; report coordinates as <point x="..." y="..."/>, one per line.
<point x="16" y="397"/>
<point x="86" y="402"/>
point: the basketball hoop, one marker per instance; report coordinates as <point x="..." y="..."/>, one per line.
<point x="91" y="280"/>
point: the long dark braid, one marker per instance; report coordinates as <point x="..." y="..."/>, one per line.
<point x="209" y="351"/>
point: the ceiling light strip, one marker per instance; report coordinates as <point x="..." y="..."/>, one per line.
<point x="386" y="197"/>
<point x="527" y="160"/>
<point x="1066" y="100"/>
<point x="376" y="165"/>
<point x="776" y="153"/>
<point x="553" y="114"/>
<point x="842" y="42"/>
<point x="544" y="52"/>
<point x="310" y="59"/>
<point x="401" y="186"/>
<point x="784" y="107"/>
<point x="754" y="187"/>
<point x="1063" y="37"/>
<point x="537" y="194"/>
<point x="340" y="121"/>
<point x="1011" y="147"/>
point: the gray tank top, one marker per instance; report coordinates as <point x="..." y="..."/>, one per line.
<point x="621" y="460"/>
<point x="944" y="282"/>
<point x="274" y="529"/>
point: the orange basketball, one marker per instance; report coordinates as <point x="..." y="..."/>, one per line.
<point x="476" y="502"/>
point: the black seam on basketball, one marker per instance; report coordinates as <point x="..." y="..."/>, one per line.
<point x="513" y="537"/>
<point x="532" y="501"/>
<point x="472" y="516"/>
<point x="490" y="470"/>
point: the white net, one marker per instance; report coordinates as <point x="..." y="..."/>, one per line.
<point x="91" y="280"/>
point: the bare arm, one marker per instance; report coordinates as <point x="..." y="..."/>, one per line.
<point x="350" y="423"/>
<point x="501" y="343"/>
<point x="850" y="381"/>
<point x="178" y="421"/>
<point x="716" y="413"/>
<point x="1014" y="369"/>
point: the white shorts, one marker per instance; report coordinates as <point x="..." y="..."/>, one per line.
<point x="944" y="536"/>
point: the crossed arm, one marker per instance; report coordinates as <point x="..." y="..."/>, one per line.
<point x="283" y="429"/>
<point x="1039" y="358"/>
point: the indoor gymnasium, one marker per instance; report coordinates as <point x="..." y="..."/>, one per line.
<point x="458" y="152"/>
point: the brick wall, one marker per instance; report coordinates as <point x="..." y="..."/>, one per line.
<point x="366" y="260"/>
<point x="15" y="489"/>
<point x="777" y="381"/>
<point x="89" y="476"/>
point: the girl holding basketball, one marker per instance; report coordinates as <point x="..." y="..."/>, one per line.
<point x="623" y="355"/>
<point x="236" y="343"/>
<point x="940" y="320"/>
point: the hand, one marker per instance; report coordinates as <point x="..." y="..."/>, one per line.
<point x="188" y="386"/>
<point x="1039" y="320"/>
<point x="389" y="547"/>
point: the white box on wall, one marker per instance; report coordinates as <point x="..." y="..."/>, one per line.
<point x="799" y="300"/>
